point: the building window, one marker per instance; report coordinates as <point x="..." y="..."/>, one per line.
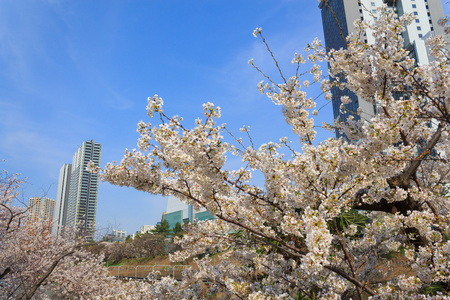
<point x="420" y="35"/>
<point x="372" y="3"/>
<point x="417" y="21"/>
<point x="374" y="11"/>
<point x="415" y="13"/>
<point x="414" y="6"/>
<point x="419" y="28"/>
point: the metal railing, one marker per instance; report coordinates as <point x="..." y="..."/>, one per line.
<point x="141" y="272"/>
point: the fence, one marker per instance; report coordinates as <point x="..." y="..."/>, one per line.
<point x="141" y="272"/>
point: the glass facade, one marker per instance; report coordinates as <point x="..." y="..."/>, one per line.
<point x="173" y="218"/>
<point x="177" y="217"/>
<point x="335" y="30"/>
<point x="203" y="216"/>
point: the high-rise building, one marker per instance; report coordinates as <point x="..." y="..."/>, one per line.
<point x="81" y="204"/>
<point x="338" y="17"/>
<point x="40" y="209"/>
<point x="62" y="198"/>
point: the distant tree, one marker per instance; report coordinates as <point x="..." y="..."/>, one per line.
<point x="177" y="229"/>
<point x="149" y="245"/>
<point x="163" y="229"/>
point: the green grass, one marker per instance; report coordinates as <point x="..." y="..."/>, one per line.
<point x="128" y="261"/>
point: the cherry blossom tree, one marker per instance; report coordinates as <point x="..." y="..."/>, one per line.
<point x="331" y="213"/>
<point x="36" y="265"/>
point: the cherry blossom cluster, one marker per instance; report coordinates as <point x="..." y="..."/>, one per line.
<point x="330" y="215"/>
<point x="36" y="265"/>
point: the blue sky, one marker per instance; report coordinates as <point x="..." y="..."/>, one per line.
<point x="78" y="70"/>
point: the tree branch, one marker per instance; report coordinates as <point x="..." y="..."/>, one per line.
<point x="5" y="272"/>
<point x="33" y="290"/>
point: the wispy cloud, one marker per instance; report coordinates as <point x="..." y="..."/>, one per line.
<point x="22" y="43"/>
<point x="24" y="142"/>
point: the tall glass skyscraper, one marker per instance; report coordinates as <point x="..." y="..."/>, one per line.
<point x="77" y="192"/>
<point x="338" y="17"/>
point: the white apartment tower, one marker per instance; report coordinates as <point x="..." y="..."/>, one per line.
<point x="40" y="209"/>
<point x="81" y="190"/>
<point x="62" y="198"/>
<point x="338" y="17"/>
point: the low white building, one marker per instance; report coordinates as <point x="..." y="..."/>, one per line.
<point x="143" y="229"/>
<point x="117" y="235"/>
<point x="146" y="228"/>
